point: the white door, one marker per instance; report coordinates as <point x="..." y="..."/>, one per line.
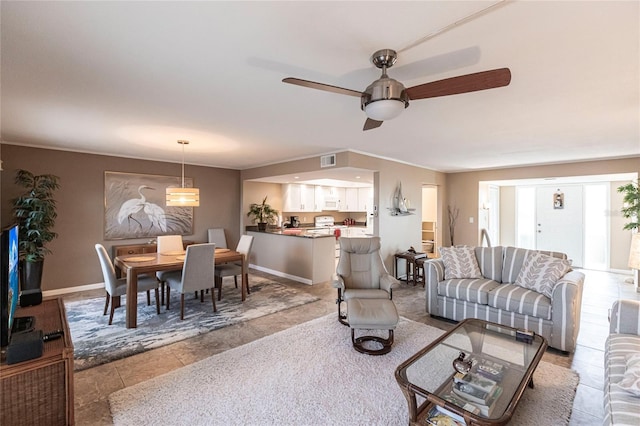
<point x="559" y="221"/>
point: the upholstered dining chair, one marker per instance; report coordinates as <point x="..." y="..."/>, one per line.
<point x="118" y="286"/>
<point x="216" y="236"/>
<point x="235" y="269"/>
<point x="167" y="244"/>
<point x="197" y="274"/>
<point x="361" y="273"/>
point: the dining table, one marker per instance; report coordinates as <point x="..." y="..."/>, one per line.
<point x="149" y="263"/>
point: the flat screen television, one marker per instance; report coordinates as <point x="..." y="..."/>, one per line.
<point x="9" y="282"/>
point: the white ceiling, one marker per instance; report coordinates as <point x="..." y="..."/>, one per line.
<point x="131" y="78"/>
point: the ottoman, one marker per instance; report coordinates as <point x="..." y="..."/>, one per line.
<point x="372" y="314"/>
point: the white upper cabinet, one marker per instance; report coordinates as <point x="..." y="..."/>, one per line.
<point x="314" y="198"/>
<point x="350" y="200"/>
<point x="299" y="198"/>
<point x="365" y="199"/>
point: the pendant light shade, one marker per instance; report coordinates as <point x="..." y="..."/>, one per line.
<point x="183" y="197"/>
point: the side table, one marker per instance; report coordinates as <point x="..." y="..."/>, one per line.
<point x="410" y="259"/>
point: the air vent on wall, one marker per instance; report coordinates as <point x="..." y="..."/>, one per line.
<point x="328" y="160"/>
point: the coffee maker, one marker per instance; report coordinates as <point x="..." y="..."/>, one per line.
<point x="294" y="221"/>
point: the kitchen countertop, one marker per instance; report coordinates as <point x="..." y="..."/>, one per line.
<point x="298" y="232"/>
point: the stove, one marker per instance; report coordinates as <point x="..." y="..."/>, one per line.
<point x="323" y="221"/>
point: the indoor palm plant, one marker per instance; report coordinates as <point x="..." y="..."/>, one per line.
<point x="631" y="204"/>
<point x="263" y="214"/>
<point x="35" y="212"/>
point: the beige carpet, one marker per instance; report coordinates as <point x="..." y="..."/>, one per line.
<point x="310" y="375"/>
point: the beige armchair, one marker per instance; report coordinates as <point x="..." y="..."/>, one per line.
<point x="360" y="273"/>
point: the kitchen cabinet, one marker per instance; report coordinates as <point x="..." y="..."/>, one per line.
<point x="299" y="198"/>
<point x="350" y="200"/>
<point x="365" y="199"/>
<point x="357" y="199"/>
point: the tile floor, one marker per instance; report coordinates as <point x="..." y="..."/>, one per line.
<point x="93" y="386"/>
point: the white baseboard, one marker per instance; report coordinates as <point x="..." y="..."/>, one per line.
<point x="67" y="290"/>
<point x="282" y="274"/>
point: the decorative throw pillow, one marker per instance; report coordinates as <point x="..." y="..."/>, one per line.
<point x="541" y="272"/>
<point x="460" y="262"/>
<point x="631" y="379"/>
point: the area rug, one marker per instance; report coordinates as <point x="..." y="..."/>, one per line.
<point x="310" y="375"/>
<point x="95" y="342"/>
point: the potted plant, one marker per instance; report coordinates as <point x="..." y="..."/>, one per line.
<point x="35" y="212"/>
<point x="631" y="204"/>
<point x="262" y="213"/>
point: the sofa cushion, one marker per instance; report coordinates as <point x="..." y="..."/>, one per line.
<point x="460" y="262"/>
<point x="513" y="298"/>
<point x="514" y="258"/>
<point x="631" y="378"/>
<point x="474" y="290"/>
<point x="540" y="272"/>
<point x="490" y="262"/>
<point x="621" y="407"/>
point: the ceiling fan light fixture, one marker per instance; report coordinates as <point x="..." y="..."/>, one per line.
<point x="384" y="99"/>
<point x="182" y="197"/>
<point x="384" y="109"/>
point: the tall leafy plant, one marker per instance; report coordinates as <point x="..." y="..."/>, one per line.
<point x="262" y="213"/>
<point x="631" y="204"/>
<point x="35" y="211"/>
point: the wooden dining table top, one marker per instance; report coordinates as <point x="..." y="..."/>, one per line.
<point x="169" y="261"/>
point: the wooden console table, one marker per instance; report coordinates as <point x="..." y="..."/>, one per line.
<point x="40" y="391"/>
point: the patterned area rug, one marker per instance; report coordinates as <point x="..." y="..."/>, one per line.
<point x="95" y="342"/>
<point x="311" y="375"/>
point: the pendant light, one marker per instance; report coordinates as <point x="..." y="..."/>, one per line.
<point x="183" y="197"/>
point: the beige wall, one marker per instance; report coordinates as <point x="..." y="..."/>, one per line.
<point x="463" y="192"/>
<point x="254" y="192"/>
<point x="81" y="205"/>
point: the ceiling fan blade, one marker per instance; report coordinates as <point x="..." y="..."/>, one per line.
<point x="321" y="86"/>
<point x="461" y="84"/>
<point x="371" y="124"/>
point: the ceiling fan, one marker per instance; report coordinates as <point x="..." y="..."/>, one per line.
<point x="385" y="98"/>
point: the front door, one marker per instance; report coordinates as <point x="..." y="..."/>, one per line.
<point x="559" y="220"/>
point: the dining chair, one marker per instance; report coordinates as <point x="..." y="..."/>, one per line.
<point x="235" y="269"/>
<point x="116" y="287"/>
<point x="167" y="244"/>
<point x="197" y="274"/>
<point x="216" y="236"/>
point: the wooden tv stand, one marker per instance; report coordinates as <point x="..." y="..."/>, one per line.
<point x="40" y="391"/>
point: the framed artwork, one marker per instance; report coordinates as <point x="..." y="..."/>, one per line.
<point x="558" y="200"/>
<point x="134" y="207"/>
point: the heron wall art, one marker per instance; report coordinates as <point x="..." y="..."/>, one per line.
<point x="135" y="207"/>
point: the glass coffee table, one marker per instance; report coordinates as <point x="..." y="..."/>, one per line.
<point x="494" y="364"/>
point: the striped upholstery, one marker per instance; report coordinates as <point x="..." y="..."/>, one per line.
<point x="557" y="319"/>
<point x="513" y="298"/>
<point x="458" y="310"/>
<point x="620" y="407"/>
<point x="469" y="289"/>
<point x="514" y="258"/>
<point x="490" y="262"/>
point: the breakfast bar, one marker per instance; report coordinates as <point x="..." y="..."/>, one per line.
<point x="299" y="255"/>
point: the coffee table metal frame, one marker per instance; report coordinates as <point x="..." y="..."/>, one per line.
<point x="520" y="376"/>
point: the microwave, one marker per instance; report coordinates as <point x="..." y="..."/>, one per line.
<point x="331" y="204"/>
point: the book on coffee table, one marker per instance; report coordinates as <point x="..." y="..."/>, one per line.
<point x="477" y="381"/>
<point x="438" y="418"/>
<point x="481" y="400"/>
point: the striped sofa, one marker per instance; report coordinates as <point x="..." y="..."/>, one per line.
<point x="495" y="298"/>
<point x="620" y="406"/>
